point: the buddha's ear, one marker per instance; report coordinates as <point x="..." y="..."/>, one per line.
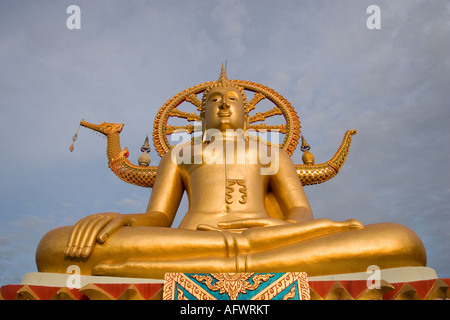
<point x="202" y="119"/>
<point x="246" y="124"/>
<point x="246" y="121"/>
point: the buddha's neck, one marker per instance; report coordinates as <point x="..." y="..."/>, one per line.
<point x="227" y="135"/>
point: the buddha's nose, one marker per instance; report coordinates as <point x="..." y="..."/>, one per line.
<point x="224" y="106"/>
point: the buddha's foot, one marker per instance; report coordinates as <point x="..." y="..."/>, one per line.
<point x="119" y="269"/>
<point x="107" y="269"/>
<point x="156" y="269"/>
<point x="354" y="224"/>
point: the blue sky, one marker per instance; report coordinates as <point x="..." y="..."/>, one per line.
<point x="130" y="57"/>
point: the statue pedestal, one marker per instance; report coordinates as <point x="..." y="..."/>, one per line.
<point x="414" y="283"/>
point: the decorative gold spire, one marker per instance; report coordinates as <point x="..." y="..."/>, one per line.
<point x="146" y="146"/>
<point x="308" y="157"/>
<point x="144" y="158"/>
<point x="223" y="76"/>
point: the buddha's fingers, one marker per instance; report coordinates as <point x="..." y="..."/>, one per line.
<point x="326" y="226"/>
<point x="82" y="230"/>
<point x="75" y="235"/>
<point x="116" y="223"/>
<point x="91" y="228"/>
<point x="87" y="243"/>
<point x="70" y="241"/>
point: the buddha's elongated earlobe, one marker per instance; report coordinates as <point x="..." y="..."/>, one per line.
<point x="246" y="126"/>
<point x="203" y="131"/>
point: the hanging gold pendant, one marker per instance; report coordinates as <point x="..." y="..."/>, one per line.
<point x="74" y="138"/>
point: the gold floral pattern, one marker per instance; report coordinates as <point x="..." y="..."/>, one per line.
<point x="232" y="283"/>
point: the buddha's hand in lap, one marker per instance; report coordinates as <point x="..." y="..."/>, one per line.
<point x="243" y="224"/>
<point x="92" y="229"/>
<point x="319" y="225"/>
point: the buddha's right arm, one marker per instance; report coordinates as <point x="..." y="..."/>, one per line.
<point x="163" y="204"/>
<point x="166" y="194"/>
<point x="164" y="201"/>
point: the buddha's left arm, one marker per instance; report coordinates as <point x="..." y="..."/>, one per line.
<point x="288" y="190"/>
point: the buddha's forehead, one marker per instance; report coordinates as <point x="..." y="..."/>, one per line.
<point x="224" y="90"/>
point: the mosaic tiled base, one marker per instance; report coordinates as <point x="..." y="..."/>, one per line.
<point x="236" y="286"/>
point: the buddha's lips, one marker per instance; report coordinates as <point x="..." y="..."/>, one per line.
<point x="224" y="114"/>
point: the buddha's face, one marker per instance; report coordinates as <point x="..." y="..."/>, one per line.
<point x="224" y="109"/>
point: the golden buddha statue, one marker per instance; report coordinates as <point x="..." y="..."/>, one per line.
<point x="246" y="214"/>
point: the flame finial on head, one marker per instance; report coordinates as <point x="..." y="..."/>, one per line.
<point x="223" y="75"/>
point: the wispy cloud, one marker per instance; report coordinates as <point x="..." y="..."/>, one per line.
<point x="133" y="204"/>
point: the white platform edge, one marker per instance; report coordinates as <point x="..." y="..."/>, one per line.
<point x="395" y="275"/>
<point x="63" y="280"/>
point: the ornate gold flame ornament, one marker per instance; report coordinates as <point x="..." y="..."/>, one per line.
<point x="144" y="176"/>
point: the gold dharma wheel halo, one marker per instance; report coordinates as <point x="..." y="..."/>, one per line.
<point x="291" y="128"/>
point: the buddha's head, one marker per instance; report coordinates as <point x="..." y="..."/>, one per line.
<point x="224" y="106"/>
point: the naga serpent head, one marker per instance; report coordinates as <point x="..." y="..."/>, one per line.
<point x="104" y="128"/>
